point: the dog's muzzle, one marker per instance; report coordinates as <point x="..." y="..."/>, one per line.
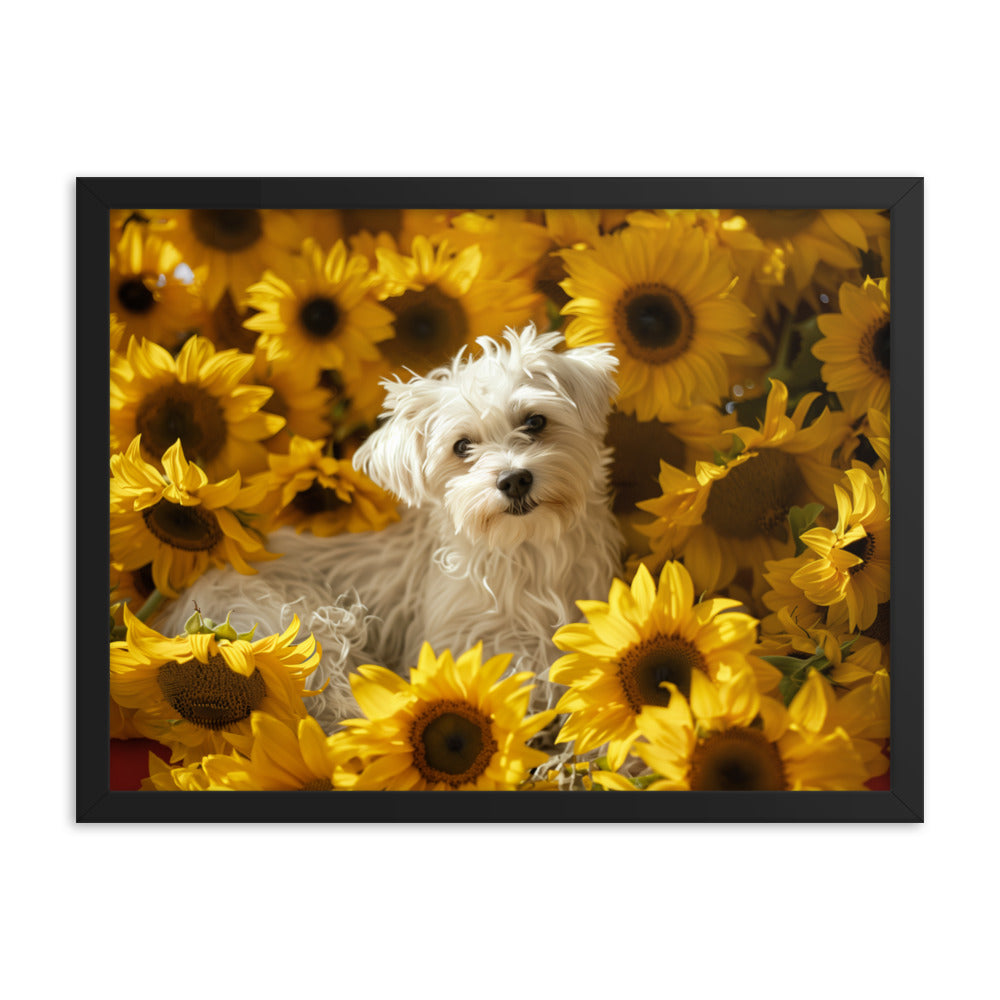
<point x="515" y="484"/>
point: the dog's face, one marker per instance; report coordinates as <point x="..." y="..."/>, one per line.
<point x="510" y="444"/>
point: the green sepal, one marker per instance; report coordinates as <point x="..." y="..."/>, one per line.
<point x="725" y="457"/>
<point x="645" y="780"/>
<point x="198" y="624"/>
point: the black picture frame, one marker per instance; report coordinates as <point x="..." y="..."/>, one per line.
<point x="902" y="196"/>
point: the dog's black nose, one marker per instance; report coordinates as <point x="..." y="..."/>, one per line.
<point x="515" y="483"/>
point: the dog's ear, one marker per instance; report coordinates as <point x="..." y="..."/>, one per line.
<point x="393" y="456"/>
<point x="587" y="376"/>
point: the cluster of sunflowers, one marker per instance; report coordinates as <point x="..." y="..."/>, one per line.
<point x="746" y="645"/>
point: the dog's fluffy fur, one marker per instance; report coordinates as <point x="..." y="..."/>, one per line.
<point x="467" y="562"/>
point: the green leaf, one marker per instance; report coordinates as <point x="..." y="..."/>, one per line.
<point x="788" y="665"/>
<point x="788" y="688"/>
<point x="801" y="519"/>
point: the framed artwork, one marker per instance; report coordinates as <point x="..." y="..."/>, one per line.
<point x="572" y="508"/>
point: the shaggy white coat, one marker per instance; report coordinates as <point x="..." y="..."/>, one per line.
<point x="462" y="565"/>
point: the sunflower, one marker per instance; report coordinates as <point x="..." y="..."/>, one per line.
<point x="845" y="658"/>
<point x="234" y="245"/>
<point x="735" y="514"/>
<point x="441" y="301"/>
<point x="198" y="398"/>
<point x="177" y="521"/>
<point x="297" y="397"/>
<point x="224" y="326"/>
<point x="120" y="722"/>
<point x="133" y="586"/>
<point x="809" y="247"/>
<point x="195" y="693"/>
<point x="310" y="489"/>
<point x="513" y="246"/>
<point x="643" y="637"/>
<point x="283" y="755"/>
<point x="454" y="725"/>
<point x="638" y="448"/>
<point x="582" y="227"/>
<point x="850" y="567"/>
<point x="855" y="347"/>
<point x="783" y="594"/>
<point x="728" y="737"/>
<point x="117" y="332"/>
<point x="183" y="778"/>
<point x="572" y="227"/>
<point x="664" y="298"/>
<point x="319" y="312"/>
<point x="146" y="295"/>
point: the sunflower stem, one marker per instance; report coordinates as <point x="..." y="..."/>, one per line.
<point x="154" y="600"/>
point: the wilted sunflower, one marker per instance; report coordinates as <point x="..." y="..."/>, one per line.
<point x="177" y="521"/>
<point x="311" y="490"/>
<point x="851" y="563"/>
<point x="234" y="245"/>
<point x="146" y="295"/>
<point x="664" y="298"/>
<point x="729" y="738"/>
<point x="855" y="347"/>
<point x="195" y="693"/>
<point x="732" y="515"/>
<point x="645" y="635"/>
<point x="319" y="312"/>
<point x="454" y="725"/>
<point x="441" y="301"/>
<point x="199" y="398"/>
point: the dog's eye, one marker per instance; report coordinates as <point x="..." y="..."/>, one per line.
<point x="534" y="423"/>
<point x="462" y="447"/>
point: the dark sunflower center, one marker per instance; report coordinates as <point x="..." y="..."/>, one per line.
<point x="319" y="317"/>
<point x="181" y="410"/>
<point x="654" y="323"/>
<point x="318" y="785"/>
<point x="863" y="548"/>
<point x="452" y="743"/>
<point x="135" y="297"/>
<point x="776" y="224"/>
<point x="210" y="694"/>
<point x="879" y="350"/>
<point x="737" y="760"/>
<point x="430" y="327"/>
<point x="755" y="497"/>
<point x="227" y="325"/>
<point x="879" y="629"/>
<point x="142" y="580"/>
<point x="642" y="668"/>
<point x="192" y="529"/>
<point x="227" y="229"/>
<point x="317" y="499"/>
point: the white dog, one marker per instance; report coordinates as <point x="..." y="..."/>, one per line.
<point x="501" y="462"/>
